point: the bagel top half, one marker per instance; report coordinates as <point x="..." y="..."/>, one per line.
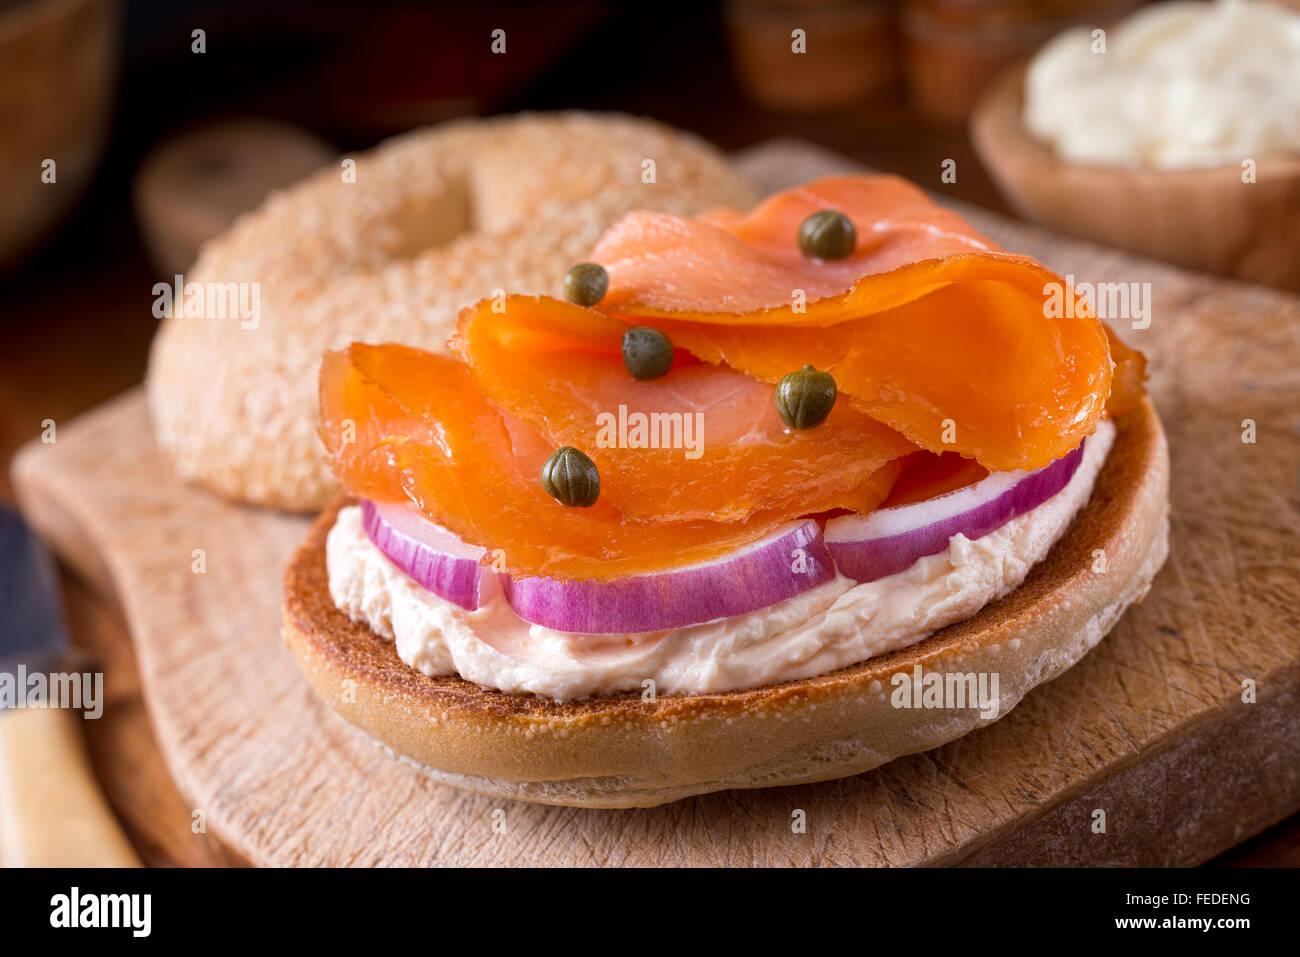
<point x="620" y="750"/>
<point x="390" y="250"/>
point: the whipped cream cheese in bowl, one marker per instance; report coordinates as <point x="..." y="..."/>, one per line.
<point x="1174" y="134"/>
<point x="1178" y="86"/>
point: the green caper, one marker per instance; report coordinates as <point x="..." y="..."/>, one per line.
<point x="827" y="235"/>
<point x="804" y="398"/>
<point x="647" y="352"/>
<point x="586" y="284"/>
<point x="571" y="477"/>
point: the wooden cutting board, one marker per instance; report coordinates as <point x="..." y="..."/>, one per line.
<point x="1151" y="727"/>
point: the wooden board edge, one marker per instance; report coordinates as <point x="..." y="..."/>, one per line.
<point x="1062" y="834"/>
<point x="72" y="533"/>
<point x="53" y="510"/>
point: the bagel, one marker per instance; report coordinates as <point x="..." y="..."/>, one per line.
<point x="622" y="751"/>
<point x="434" y="221"/>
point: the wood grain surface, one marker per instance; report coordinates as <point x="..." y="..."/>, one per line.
<point x="1151" y="727"/>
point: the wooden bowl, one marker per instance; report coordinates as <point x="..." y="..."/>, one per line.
<point x="850" y="57"/>
<point x="1205" y="219"/>
<point x="58" y="64"/>
<point x="194" y="185"/>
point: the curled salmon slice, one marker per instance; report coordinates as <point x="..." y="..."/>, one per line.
<point x="924" y="475"/>
<point x="701" y="442"/>
<point x="928" y="327"/>
<point x="401" y="424"/>
<point x="1127" y="388"/>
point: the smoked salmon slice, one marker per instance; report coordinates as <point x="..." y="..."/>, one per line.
<point x="701" y="442"/>
<point x="948" y="362"/>
<point x="924" y="475"/>
<point x="403" y="424"/>
<point x="928" y="327"/>
<point x="1126" y="388"/>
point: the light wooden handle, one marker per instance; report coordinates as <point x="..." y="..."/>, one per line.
<point x="52" y="813"/>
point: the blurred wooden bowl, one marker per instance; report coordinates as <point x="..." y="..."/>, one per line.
<point x="850" y="60"/>
<point x="58" y="64"/>
<point x="1206" y="219"/>
<point x="194" y="185"/>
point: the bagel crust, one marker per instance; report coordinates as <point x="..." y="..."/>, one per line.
<point x="622" y="751"/>
<point x="390" y="250"/>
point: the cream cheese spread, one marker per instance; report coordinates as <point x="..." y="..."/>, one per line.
<point x="1179" y="85"/>
<point x="836" y="624"/>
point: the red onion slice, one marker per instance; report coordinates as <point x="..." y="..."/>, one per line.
<point x="890" y="540"/>
<point x="793" y="559"/>
<point x="786" y="563"/>
<point x="434" y="557"/>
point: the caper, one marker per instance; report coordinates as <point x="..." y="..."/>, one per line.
<point x="827" y="235"/>
<point x="647" y="352"/>
<point x="804" y="398"/>
<point x="571" y="477"/>
<point x="586" y="284"/>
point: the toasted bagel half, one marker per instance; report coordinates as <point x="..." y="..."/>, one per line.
<point x="622" y="751"/>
